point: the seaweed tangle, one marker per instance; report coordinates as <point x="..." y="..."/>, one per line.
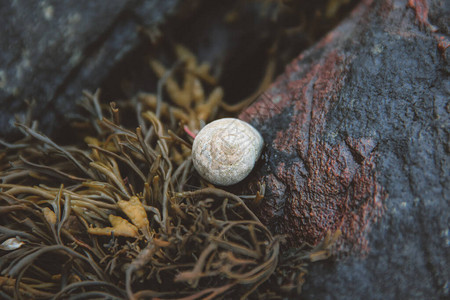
<point x="124" y="215"/>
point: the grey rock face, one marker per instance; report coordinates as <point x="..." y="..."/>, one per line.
<point x="381" y="77"/>
<point x="398" y="91"/>
<point x="51" y="50"/>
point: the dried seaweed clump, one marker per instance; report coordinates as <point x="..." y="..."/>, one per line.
<point x="113" y="219"/>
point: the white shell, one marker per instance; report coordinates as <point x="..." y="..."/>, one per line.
<point x="11" y="244"/>
<point x="226" y="150"/>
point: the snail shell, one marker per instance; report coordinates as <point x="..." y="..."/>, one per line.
<point x="226" y="150"/>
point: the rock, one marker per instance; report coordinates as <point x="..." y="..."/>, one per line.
<point x="51" y="50"/>
<point x="356" y="134"/>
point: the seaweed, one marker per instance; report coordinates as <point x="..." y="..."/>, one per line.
<point x="124" y="215"/>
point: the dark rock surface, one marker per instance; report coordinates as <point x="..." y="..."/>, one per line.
<point x="51" y="50"/>
<point x="357" y="139"/>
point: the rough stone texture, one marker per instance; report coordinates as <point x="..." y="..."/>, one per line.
<point x="51" y="50"/>
<point x="356" y="134"/>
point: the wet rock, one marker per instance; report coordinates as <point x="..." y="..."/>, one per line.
<point x="357" y="140"/>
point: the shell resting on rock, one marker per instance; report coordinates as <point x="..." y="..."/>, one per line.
<point x="226" y="150"/>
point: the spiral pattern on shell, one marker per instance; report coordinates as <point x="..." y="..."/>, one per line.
<point x="226" y="150"/>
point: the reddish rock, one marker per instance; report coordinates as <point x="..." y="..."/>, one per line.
<point x="356" y="134"/>
<point x="319" y="179"/>
<point x="315" y="185"/>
